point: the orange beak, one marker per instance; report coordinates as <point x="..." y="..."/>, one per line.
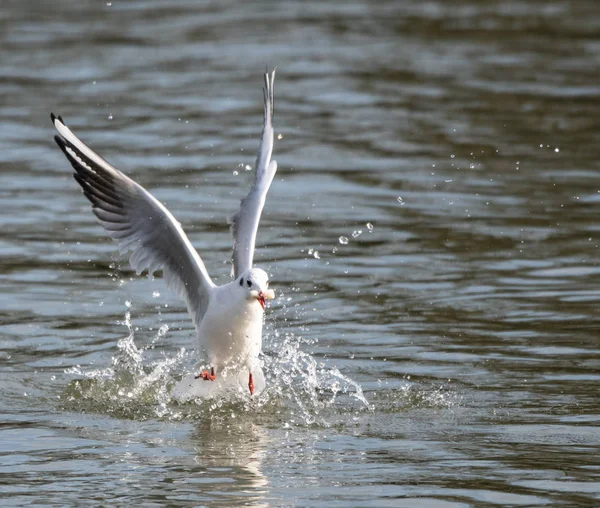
<point x="261" y="299"/>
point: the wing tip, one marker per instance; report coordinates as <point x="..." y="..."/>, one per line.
<point x="269" y="95"/>
<point x="60" y="141"/>
<point x="78" y="165"/>
<point x="56" y="118"/>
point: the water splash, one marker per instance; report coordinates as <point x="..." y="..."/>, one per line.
<point x="411" y="396"/>
<point x="307" y="386"/>
<point x="131" y="387"/>
<point x="299" y="388"/>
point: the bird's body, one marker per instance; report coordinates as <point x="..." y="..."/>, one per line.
<point x="231" y="331"/>
<point x="229" y="318"/>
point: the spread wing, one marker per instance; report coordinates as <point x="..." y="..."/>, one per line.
<point x="244" y="223"/>
<point x="139" y="223"/>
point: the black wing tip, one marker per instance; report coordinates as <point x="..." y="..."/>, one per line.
<point x="80" y="162"/>
<point x="54" y="117"/>
<point x="64" y="145"/>
<point x="60" y="141"/>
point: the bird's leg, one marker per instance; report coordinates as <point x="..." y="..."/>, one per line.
<point x="251" y="384"/>
<point x="207" y="376"/>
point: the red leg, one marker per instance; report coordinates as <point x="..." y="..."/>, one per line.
<point x="206" y="375"/>
<point x="251" y="384"/>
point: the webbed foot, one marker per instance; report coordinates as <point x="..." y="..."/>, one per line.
<point x="207" y="376"/>
<point x="251" y="384"/>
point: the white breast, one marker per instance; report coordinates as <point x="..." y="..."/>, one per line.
<point x="230" y="332"/>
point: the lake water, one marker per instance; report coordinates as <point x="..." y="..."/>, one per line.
<point x="447" y="354"/>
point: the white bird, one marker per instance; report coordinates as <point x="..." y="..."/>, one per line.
<point x="229" y="318"/>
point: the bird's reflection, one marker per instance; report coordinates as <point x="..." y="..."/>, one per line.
<point x="230" y="452"/>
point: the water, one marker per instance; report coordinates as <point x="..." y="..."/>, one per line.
<point x="447" y="356"/>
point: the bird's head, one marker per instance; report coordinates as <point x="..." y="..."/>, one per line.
<point x="255" y="282"/>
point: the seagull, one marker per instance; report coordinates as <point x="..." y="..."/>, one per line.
<point x="228" y="319"/>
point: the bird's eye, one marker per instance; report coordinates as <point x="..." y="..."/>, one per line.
<point x="242" y="281"/>
<point x="249" y="283"/>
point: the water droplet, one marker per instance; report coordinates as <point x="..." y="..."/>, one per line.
<point x="93" y="82"/>
<point x="370" y="227"/>
<point x="334" y="250"/>
<point x="108" y="4"/>
<point x="356" y="233"/>
<point x="235" y="173"/>
<point x="110" y="117"/>
<point x="472" y="166"/>
<point x="248" y="167"/>
<point x="343" y="240"/>
<point x="452" y="156"/>
<point x="557" y="150"/>
<point x="279" y="136"/>
<point x="155" y="294"/>
<point x="448" y="181"/>
<point x="316" y="255"/>
<point x="400" y="200"/>
<point x="128" y="304"/>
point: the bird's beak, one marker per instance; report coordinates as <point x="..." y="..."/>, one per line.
<point x="261" y="296"/>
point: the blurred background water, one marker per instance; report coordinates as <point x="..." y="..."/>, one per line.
<point x="432" y="236"/>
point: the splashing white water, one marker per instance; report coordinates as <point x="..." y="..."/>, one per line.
<point x="138" y="387"/>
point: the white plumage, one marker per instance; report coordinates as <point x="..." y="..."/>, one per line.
<point x="229" y="318"/>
